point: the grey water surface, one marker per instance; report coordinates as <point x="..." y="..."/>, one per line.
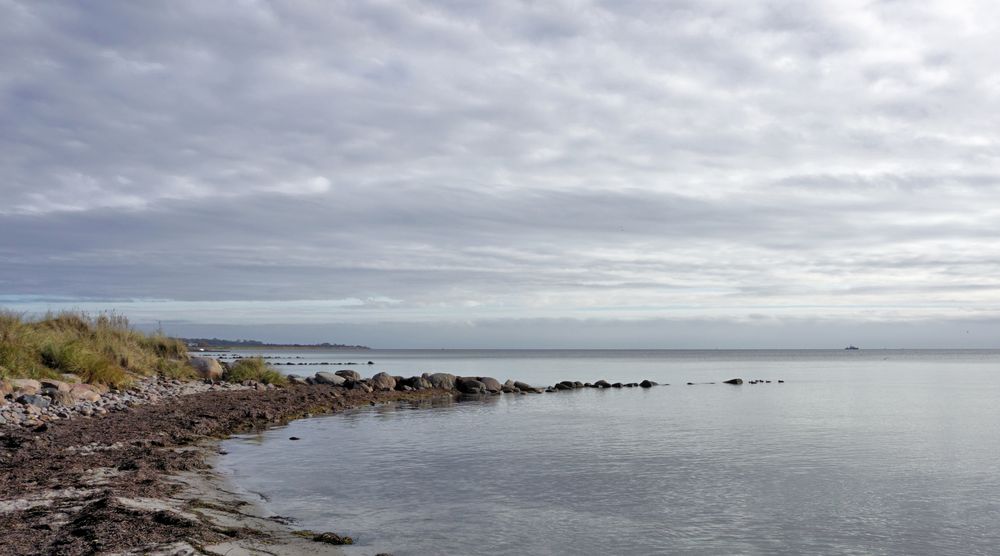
<point x="858" y="452"/>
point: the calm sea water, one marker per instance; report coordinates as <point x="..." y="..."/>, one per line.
<point x="863" y="452"/>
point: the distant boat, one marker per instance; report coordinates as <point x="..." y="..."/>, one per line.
<point x="852" y="348"/>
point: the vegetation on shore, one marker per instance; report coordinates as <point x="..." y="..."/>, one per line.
<point x="253" y="368"/>
<point x="103" y="349"/>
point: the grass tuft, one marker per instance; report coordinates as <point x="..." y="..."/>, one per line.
<point x="102" y="350"/>
<point x="254" y="368"/>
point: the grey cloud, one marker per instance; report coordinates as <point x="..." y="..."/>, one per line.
<point x="461" y="158"/>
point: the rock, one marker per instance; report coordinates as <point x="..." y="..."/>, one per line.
<point x="333" y="538"/>
<point x="59" y="397"/>
<point x="492" y="385"/>
<point x="577" y="384"/>
<point x="371" y="362"/>
<point x="468" y="385"/>
<point x="54" y="384"/>
<point x="33" y="400"/>
<point x="383" y="381"/>
<point x="71" y="378"/>
<point x="733" y="381"/>
<point x="358" y="385"/>
<point x="445" y="381"/>
<point x="781" y="382"/>
<point x="26" y="385"/>
<point x="296" y="379"/>
<point x="348" y="374"/>
<point x="333" y="379"/>
<point x="207" y="367"/>
<point x="602" y="384"/>
<point x="84" y="393"/>
<point x="564" y="385"/>
<point x="617" y="385"/>
<point x="523" y="386"/>
<point x="647" y="384"/>
<point x="419" y="383"/>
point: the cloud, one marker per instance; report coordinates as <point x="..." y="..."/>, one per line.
<point x="577" y="159"/>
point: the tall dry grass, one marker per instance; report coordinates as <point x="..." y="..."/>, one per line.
<point x="104" y="349"/>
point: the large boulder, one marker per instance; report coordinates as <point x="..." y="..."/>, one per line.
<point x="469" y="385"/>
<point x="733" y="381"/>
<point x="647" y="383"/>
<point x="602" y="384"/>
<point x="207" y="367"/>
<point x="332" y="379"/>
<point x="383" y="381"/>
<point x="523" y="386"/>
<point x="348" y="374"/>
<point x="26" y="385"/>
<point x="445" y="381"/>
<point x="492" y="385"/>
<point x="84" y="393"/>
<point x="296" y="379"/>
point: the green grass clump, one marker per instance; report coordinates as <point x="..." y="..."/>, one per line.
<point x="253" y="368"/>
<point x="102" y="350"/>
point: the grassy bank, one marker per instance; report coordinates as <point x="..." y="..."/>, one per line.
<point x="101" y="349"/>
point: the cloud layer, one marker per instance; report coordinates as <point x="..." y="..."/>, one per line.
<point x="447" y="162"/>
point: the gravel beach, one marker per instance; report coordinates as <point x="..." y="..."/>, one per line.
<point x="136" y="478"/>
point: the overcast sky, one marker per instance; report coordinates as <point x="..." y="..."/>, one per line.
<point x="501" y="174"/>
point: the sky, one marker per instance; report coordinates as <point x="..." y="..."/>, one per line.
<point x="606" y="174"/>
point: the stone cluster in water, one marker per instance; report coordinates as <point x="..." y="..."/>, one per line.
<point x="470" y="385"/>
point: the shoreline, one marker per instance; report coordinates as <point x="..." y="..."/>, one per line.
<point x="143" y="481"/>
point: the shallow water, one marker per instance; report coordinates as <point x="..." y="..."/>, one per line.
<point x="885" y="452"/>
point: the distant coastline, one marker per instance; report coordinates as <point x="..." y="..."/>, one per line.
<point x="214" y="344"/>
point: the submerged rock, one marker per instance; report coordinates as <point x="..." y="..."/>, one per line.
<point x="733" y="381"/>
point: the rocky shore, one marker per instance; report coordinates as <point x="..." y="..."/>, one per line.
<point x="129" y="472"/>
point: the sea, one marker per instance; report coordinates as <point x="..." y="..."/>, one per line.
<point x="856" y="452"/>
